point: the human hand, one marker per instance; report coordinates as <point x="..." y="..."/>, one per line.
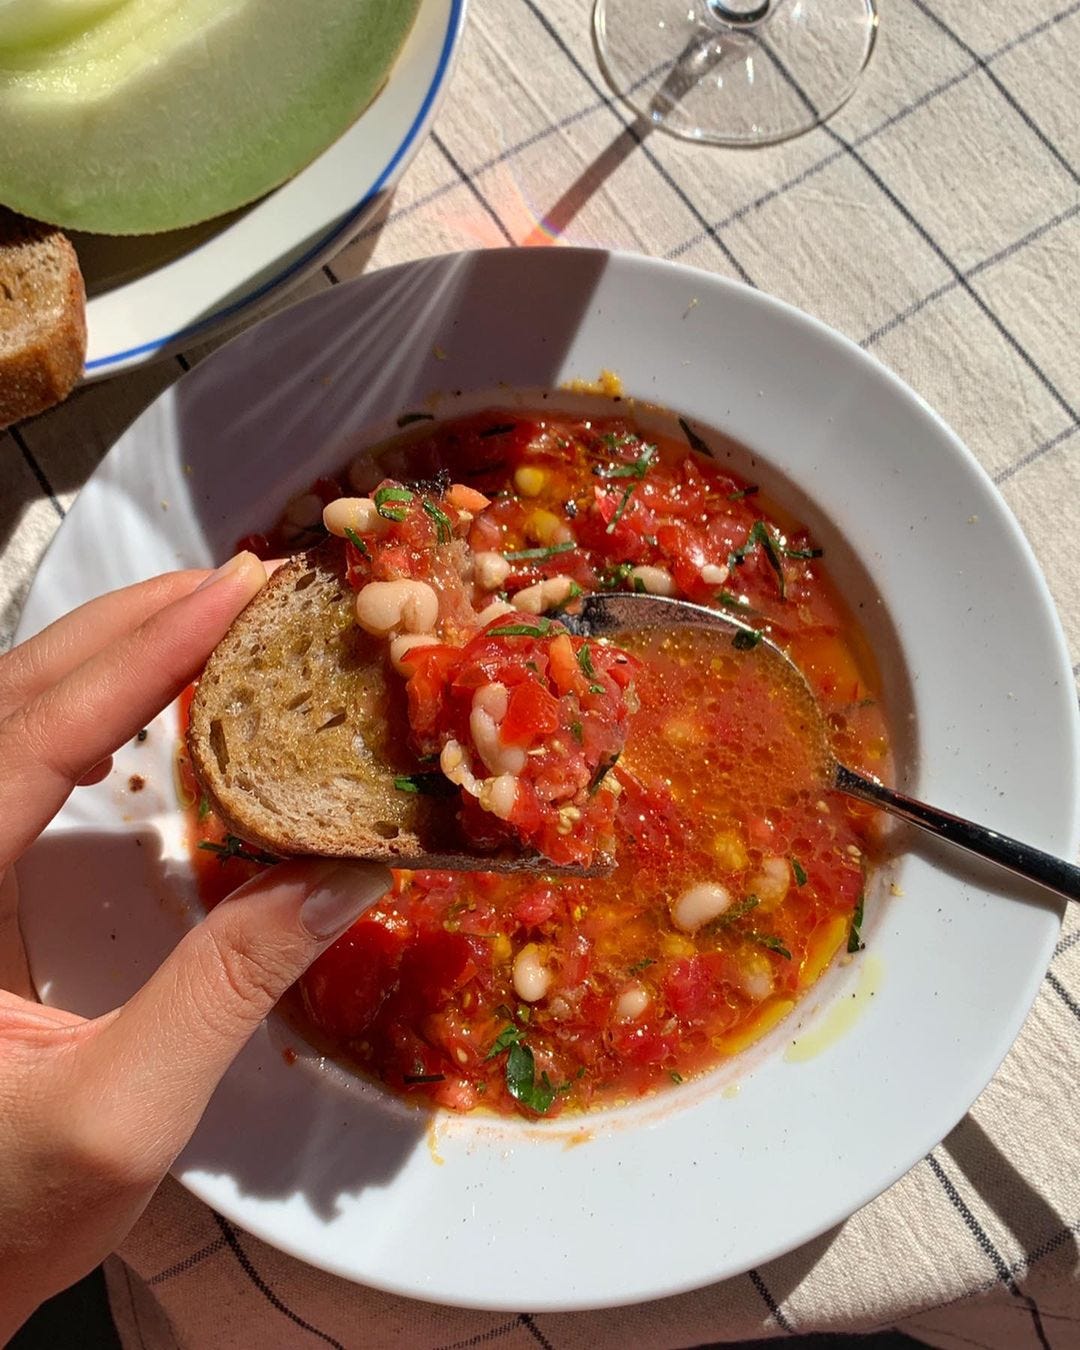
<point x="93" y="1112"/>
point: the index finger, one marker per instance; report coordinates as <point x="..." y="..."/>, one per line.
<point x="47" y="745"/>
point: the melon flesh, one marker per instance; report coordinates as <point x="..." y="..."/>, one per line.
<point x="133" y="116"/>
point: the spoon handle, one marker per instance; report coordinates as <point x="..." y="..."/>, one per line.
<point x="1054" y="873"/>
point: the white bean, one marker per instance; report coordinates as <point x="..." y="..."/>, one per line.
<point x="543" y="595"/>
<point x="382" y="606"/>
<point x="499" y="758"/>
<point x="498" y="795"/>
<point x="632" y="1002"/>
<point x="656" y="580"/>
<point x="771" y="882"/>
<point x="353" y="513"/>
<point x="532" y="979"/>
<point x="490" y="569"/>
<point x="494" y="699"/>
<point x="699" y="905"/>
<point x="498" y="609"/>
<point x="401" y="646"/>
<point x="714" y="575"/>
<point x="452" y="763"/>
<point x="756" y="981"/>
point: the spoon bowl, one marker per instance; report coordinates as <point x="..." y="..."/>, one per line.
<point x="620" y="613"/>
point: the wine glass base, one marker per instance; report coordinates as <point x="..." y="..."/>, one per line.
<point x="737" y="73"/>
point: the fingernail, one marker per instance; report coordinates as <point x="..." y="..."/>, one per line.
<point x="343" y="892"/>
<point x="241" y="562"/>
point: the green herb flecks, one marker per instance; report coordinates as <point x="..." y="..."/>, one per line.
<point x="738" y="911"/>
<point x="638" y="468"/>
<point x="534" y="630"/>
<point x="509" y="1036"/>
<point x="408" y="418"/>
<point x="578" y="732"/>
<point x="234" y="847"/>
<point x="746" y="639"/>
<point x="584" y="660"/>
<point x="798" y="871"/>
<point x="444" y="530"/>
<point x="204" y="806"/>
<point x="759" y="534"/>
<point x="696" y="443"/>
<point x="854" y="941"/>
<point x="384" y="499"/>
<point x="572" y="594"/>
<point x="771" y="942"/>
<point x="803" y="552"/>
<point x="536" y="554"/>
<point x="618" y="576"/>
<point x="425" y="784"/>
<point x="750" y="491"/>
<point x="522" y="1083"/>
<point x="731" y="601"/>
<point x="357" y="542"/>
<point x="675" y="1076"/>
<point x="602" y="770"/>
<point x="639" y="966"/>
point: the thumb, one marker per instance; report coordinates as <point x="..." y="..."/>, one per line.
<point x="168" y="1047"/>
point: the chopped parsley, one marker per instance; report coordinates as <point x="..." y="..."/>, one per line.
<point x="390" y="495"/>
<point x="740" y="910"/>
<point x="771" y="942"/>
<point x="602" y="770"/>
<point x="759" y="534"/>
<point x="854" y="941"/>
<point x="426" y="784"/>
<point x="798" y="871"/>
<point x="638" y="468"/>
<point x="204" y="806"/>
<point x="522" y="1083"/>
<point x="746" y="639"/>
<point x="578" y="732"/>
<point x="504" y="1040"/>
<point x="750" y="491"/>
<point x="235" y="847"/>
<point x="584" y="660"/>
<point x="696" y="443"/>
<point x="535" y="554"/>
<point x="444" y="530"/>
<point x="639" y="966"/>
<point x="536" y="630"/>
<point x="357" y="542"/>
<point x="675" y="1076"/>
<point x="618" y="576"/>
<point x="803" y="552"/>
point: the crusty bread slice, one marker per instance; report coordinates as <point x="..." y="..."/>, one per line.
<point x="299" y="727"/>
<point x="42" y="317"/>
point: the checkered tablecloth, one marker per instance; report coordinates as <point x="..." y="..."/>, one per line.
<point x="935" y="220"/>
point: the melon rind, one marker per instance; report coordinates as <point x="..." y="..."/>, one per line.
<point x="158" y="114"/>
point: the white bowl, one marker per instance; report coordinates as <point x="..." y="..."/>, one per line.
<point x="154" y="294"/>
<point x="701" y="1182"/>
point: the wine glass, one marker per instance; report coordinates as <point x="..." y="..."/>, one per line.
<point x="734" y="72"/>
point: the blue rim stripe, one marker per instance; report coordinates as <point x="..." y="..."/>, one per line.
<point x="457" y="10"/>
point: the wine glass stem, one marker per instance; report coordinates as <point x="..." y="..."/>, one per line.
<point x="741" y="15"/>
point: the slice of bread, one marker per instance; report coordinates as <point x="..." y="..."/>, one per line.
<point x="299" y="728"/>
<point x="42" y="317"/>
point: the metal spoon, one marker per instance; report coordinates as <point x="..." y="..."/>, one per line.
<point x="609" y="615"/>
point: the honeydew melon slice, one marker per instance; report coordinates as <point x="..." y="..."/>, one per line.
<point x="134" y="116"/>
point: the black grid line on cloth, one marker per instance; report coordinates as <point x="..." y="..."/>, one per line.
<point x="1000" y="86"/>
<point x="982" y="1237"/>
<point x="244" y="1261"/>
<point x="754" y="1276"/>
<point x="955" y="1335"/>
<point x="183" y="362"/>
<point x="924" y="234"/>
<point x="1063" y="994"/>
<point x="329" y="273"/>
<point x="188" y="1263"/>
<point x="36" y="469"/>
<point x="1010" y="470"/>
<point x="630" y="130"/>
<point x="899" y="116"/>
<point x="483" y="1337"/>
<point x="992" y="260"/>
<point x="526" y="1320"/>
<point x="1069" y="941"/>
<point x="456" y="165"/>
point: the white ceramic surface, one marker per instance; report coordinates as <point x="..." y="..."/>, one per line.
<point x="152" y="295"/>
<point x="703" y="1182"/>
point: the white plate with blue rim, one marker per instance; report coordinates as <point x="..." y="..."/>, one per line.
<point x="744" y="1163"/>
<point x="151" y="295"/>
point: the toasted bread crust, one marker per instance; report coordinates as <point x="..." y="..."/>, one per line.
<point x="42" y="318"/>
<point x="298" y="729"/>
